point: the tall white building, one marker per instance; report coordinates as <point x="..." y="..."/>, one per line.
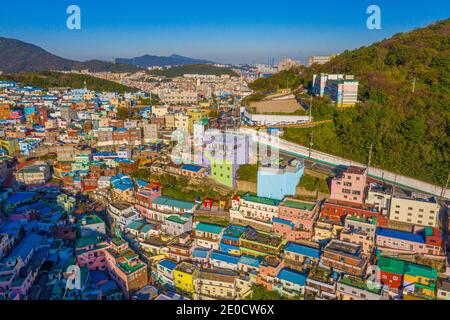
<point x="418" y="211"/>
<point x="342" y="89"/>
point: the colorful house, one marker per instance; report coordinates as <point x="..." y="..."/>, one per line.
<point x="184" y="275"/>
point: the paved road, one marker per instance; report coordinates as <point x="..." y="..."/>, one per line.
<point x="298" y="150"/>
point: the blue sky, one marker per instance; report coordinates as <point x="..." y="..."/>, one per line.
<point x="225" y="31"/>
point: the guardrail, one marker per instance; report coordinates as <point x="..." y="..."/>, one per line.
<point x="328" y="159"/>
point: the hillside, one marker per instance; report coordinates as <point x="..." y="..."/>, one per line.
<point x="161" y="61"/>
<point x="47" y="79"/>
<point x="409" y="131"/>
<point x="203" y="69"/>
<point x="19" y="56"/>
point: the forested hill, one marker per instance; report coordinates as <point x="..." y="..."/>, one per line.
<point x="405" y="109"/>
<point x="49" y="79"/>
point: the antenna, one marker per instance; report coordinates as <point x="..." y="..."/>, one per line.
<point x="444" y="190"/>
<point x="370" y="158"/>
<point x="311" y="142"/>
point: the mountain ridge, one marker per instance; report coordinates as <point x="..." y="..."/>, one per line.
<point x="147" y="60"/>
<point x="19" y="56"/>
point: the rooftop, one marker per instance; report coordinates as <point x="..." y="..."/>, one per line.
<point x="298" y="205"/>
<point x="360" y="284"/>
<point x="261" y="200"/>
<point x="210" y="228"/>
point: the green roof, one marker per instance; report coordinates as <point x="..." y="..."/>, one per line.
<point x="428" y="231"/>
<point x="118" y="241"/>
<point x="92" y="219"/>
<point x="391" y="265"/>
<point x="136" y="225"/>
<point x="86" y="241"/>
<point x="359" y="283"/>
<point x="146" y="228"/>
<point x="125" y="267"/>
<point x="298" y="205"/>
<point x="176" y="219"/>
<point x="421" y="271"/>
<point x="211" y="228"/>
<point x="163" y="200"/>
<point x="364" y="220"/>
<point x="398" y="266"/>
<point x="266" y="201"/>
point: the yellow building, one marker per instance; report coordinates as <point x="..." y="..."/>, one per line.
<point x="169" y="120"/>
<point x="324" y="230"/>
<point x="420" y="280"/>
<point x="184" y="275"/>
<point x="195" y="115"/>
<point x="182" y="121"/>
<point x="10" y="145"/>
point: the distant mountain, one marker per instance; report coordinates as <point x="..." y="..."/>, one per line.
<point x="161" y="61"/>
<point x="19" y="56"/>
<point x="203" y="69"/>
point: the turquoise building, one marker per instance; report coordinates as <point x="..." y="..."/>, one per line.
<point x="279" y="181"/>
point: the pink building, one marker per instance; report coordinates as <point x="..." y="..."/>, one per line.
<point x="295" y="219"/>
<point x="425" y="241"/>
<point x="90" y="252"/>
<point x="21" y="285"/>
<point x="350" y="185"/>
<point x="6" y="243"/>
<point x="125" y="267"/>
<point x="268" y="271"/>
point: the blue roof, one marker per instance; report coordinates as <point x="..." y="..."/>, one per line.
<point x="104" y="154"/>
<point x="28" y="243"/>
<point x="98" y="276"/>
<point x="141" y="183"/>
<point x="191" y="167"/>
<point x="407" y="236"/>
<point x="168" y="264"/>
<point x="109" y="286"/>
<point x="200" y="253"/>
<point x="303" y="250"/>
<point x="21" y="197"/>
<point x="292" y="276"/>
<point x="283" y="221"/>
<point x="221" y="256"/>
<point x="249" y="261"/>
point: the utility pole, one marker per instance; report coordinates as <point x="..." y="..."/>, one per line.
<point x="311" y="143"/>
<point x="444" y="190"/>
<point x="370" y="158"/>
<point x="414" y="85"/>
<point x="310" y="109"/>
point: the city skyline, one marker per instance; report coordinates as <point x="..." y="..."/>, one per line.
<point x="210" y="31"/>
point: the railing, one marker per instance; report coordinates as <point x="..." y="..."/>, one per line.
<point x="325" y="158"/>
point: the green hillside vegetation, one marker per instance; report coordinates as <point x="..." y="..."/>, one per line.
<point x="248" y="172"/>
<point x="311" y="183"/>
<point x="49" y="79"/>
<point x="409" y="131"/>
<point x="203" y="69"/>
